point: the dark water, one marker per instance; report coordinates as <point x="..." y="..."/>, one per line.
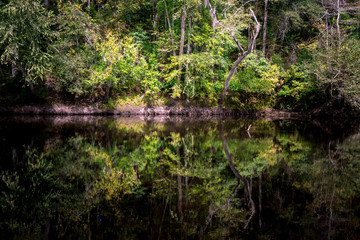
<point x="127" y="178"/>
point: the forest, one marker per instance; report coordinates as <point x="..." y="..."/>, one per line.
<point x="239" y="54"/>
<point x="280" y="169"/>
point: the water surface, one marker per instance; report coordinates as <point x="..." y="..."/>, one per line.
<point x="130" y="178"/>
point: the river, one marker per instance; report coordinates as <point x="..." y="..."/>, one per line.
<point x="178" y="178"/>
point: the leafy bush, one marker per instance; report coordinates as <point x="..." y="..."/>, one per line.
<point x="254" y="86"/>
<point x="298" y="90"/>
<point x="198" y="79"/>
<point x="75" y="51"/>
<point x="122" y="67"/>
<point x="337" y="71"/>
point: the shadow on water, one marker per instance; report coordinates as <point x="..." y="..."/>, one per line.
<point x="178" y="178"/>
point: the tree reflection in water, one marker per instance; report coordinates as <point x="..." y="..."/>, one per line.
<point x="129" y="178"/>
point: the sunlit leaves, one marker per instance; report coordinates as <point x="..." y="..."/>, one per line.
<point x="298" y="90"/>
<point x="257" y="75"/>
<point x="122" y="67"/>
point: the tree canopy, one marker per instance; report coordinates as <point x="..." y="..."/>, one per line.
<point x="285" y="54"/>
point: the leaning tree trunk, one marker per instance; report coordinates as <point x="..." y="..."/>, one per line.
<point x="253" y="35"/>
<point x="228" y="78"/>
<point x="240" y="181"/>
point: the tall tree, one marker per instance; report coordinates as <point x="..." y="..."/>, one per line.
<point x="170" y="29"/>
<point x="264" y="27"/>
<point x="182" y="34"/>
<point x="336" y="59"/>
<point x="25" y="30"/>
<point x="182" y="31"/>
<point x="253" y="35"/>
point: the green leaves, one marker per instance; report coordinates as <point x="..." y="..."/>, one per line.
<point x="336" y="69"/>
<point x="26" y="31"/>
<point x="258" y="75"/>
<point x="255" y="84"/>
<point x="121" y="64"/>
<point x="298" y="90"/>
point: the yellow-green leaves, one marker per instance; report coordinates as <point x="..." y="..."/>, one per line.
<point x="122" y="67"/>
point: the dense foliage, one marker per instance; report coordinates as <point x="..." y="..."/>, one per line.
<point x="152" y="51"/>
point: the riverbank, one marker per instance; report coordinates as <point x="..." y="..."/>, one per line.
<point x="145" y="111"/>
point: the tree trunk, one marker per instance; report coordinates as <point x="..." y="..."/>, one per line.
<point x="260" y="199"/>
<point x="182" y="38"/>
<point x="227" y="152"/>
<point x="107" y="93"/>
<point x="188" y="49"/>
<point x="253" y="36"/>
<point x="338" y="21"/>
<point x="46" y="3"/>
<point x="180" y="198"/>
<point x="31" y="85"/>
<point x="13" y="70"/>
<point x="170" y="29"/>
<point x="327" y="33"/>
<point x="358" y="22"/>
<point x="212" y="210"/>
<point x="88" y="4"/>
<point x="47" y="229"/>
<point x="115" y="8"/>
<point x="228" y="78"/>
<point x="182" y="30"/>
<point x="14" y="158"/>
<point x="251" y="201"/>
<point x="264" y="27"/>
<point x="155" y="21"/>
<point x="252" y="39"/>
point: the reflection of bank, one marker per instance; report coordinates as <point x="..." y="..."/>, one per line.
<point x="187" y="179"/>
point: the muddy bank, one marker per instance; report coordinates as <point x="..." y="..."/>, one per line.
<point x="146" y="111"/>
<point x="336" y="108"/>
<point x="54" y="110"/>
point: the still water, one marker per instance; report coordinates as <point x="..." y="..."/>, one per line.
<point x="130" y="178"/>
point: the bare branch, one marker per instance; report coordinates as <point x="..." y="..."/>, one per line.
<point x="253" y="15"/>
<point x="243" y="55"/>
<point x="243" y="6"/>
<point x="217" y="23"/>
<point x="237" y="42"/>
<point x="254" y="35"/>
